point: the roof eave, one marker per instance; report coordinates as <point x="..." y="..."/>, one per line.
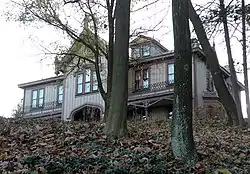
<point x="40" y="82"/>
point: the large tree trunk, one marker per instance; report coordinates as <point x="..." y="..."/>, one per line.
<point x="117" y="118"/>
<point x="233" y="77"/>
<point x="183" y="145"/>
<point x="214" y="67"/>
<point x="245" y="60"/>
<point x="110" y="7"/>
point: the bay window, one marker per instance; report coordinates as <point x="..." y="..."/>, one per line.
<point x="86" y="82"/>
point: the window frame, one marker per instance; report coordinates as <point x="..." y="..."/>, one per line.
<point x="77" y="83"/>
<point x="141" y="79"/>
<point x="91" y="82"/>
<point x="170" y="74"/>
<point x="145" y="78"/>
<point x="87" y="82"/>
<point x="37" y="99"/>
<point x="94" y="81"/>
<point x="136" y="52"/>
<point x="58" y="93"/>
<point x="142" y="50"/>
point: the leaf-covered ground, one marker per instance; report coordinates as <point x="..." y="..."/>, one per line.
<point x="56" y="147"/>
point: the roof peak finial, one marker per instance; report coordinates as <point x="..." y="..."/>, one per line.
<point x="86" y="21"/>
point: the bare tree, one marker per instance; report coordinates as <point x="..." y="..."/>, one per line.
<point x="183" y="145"/>
<point x="18" y="111"/>
<point x="214" y="67"/>
<point x="235" y="90"/>
<point x="245" y="59"/>
<point x="117" y="118"/>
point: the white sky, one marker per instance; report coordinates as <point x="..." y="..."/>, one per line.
<point x="20" y="58"/>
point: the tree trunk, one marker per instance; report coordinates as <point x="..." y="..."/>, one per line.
<point x="233" y="77"/>
<point x="214" y="67"/>
<point x="110" y="7"/>
<point x="183" y="145"/>
<point x="245" y="60"/>
<point x="117" y="117"/>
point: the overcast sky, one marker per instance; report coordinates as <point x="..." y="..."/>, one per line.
<point x="21" y="57"/>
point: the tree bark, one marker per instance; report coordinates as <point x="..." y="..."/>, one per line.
<point x="117" y="117"/>
<point x="233" y="77"/>
<point x="245" y="60"/>
<point x="183" y="145"/>
<point x="213" y="65"/>
<point x="110" y="7"/>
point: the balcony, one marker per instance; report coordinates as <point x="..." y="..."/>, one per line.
<point x="50" y="109"/>
<point x="154" y="90"/>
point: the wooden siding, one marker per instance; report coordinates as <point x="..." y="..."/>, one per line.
<point x="158" y="73"/>
<point x="50" y="95"/>
<point x="201" y="80"/>
<point x="72" y="102"/>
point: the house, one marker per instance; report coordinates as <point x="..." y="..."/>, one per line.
<point x="74" y="95"/>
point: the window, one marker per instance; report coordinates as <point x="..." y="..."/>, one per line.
<point x="37" y="98"/>
<point x="34" y="99"/>
<point x="145" y="78"/>
<point x="142" y="79"/>
<point x="95" y="83"/>
<point x="41" y="97"/>
<point x="171" y="73"/>
<point x="136" y="53"/>
<point x="87" y="86"/>
<point x="145" y="50"/>
<point x="137" y="80"/>
<point x="86" y="82"/>
<point x="60" y="94"/>
<point x="79" y="83"/>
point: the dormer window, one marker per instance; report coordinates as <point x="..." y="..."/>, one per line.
<point x="136" y="53"/>
<point x="145" y="50"/>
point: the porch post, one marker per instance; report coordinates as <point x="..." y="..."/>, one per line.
<point x="146" y="109"/>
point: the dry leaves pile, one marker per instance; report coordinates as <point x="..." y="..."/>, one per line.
<point x="52" y="146"/>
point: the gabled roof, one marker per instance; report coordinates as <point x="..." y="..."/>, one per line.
<point x="144" y="39"/>
<point x="88" y="35"/>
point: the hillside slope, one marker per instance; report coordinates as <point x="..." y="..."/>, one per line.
<point x="52" y="146"/>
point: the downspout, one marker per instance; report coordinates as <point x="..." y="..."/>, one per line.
<point x="63" y="100"/>
<point x="23" y="101"/>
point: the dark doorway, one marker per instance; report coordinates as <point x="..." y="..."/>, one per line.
<point x="87" y="114"/>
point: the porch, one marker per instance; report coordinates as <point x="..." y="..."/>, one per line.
<point x="152" y="90"/>
<point x="154" y="102"/>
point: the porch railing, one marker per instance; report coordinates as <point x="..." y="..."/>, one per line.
<point x="153" y="87"/>
<point x="49" y="107"/>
